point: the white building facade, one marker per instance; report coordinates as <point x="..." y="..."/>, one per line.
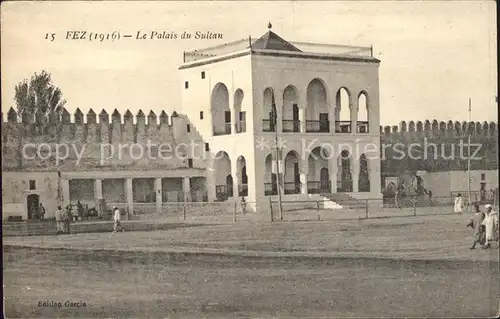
<point x="326" y="120"/>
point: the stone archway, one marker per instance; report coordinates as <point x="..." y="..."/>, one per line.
<point x="32" y="204"/>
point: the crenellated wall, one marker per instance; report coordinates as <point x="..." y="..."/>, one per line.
<point x="57" y="141"/>
<point x="441" y="146"/>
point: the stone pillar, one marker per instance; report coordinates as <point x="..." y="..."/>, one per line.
<point x="331" y="110"/>
<point x="129" y="193"/>
<point x="98" y="189"/>
<point x="355" y="173"/>
<point x="159" y="195"/>
<point x="354" y="115"/>
<point x="375" y="179"/>
<point x="304" y="170"/>
<point x="278" y="99"/>
<point x="303" y="184"/>
<point x="333" y="169"/>
<point x="235" y="176"/>
<point x="186" y="188"/>
<point x="303" y="111"/>
<point x="65" y="192"/>
<point x="210" y="181"/>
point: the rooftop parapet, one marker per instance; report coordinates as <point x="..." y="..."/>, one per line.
<point x="296" y="47"/>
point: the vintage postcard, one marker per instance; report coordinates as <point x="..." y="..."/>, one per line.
<point x="232" y="159"/>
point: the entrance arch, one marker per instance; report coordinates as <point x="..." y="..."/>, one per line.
<point x="32" y="204"/>
<point x="229" y="185"/>
<point x="324" y="182"/>
<point x="344" y="175"/>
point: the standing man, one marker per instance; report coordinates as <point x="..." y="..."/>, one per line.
<point x="59" y="220"/>
<point x="67" y="219"/>
<point x="41" y="211"/>
<point x="458" y="206"/>
<point x="429" y="192"/>
<point x="243" y="206"/>
<point x="397" y="195"/>
<point x="476" y="222"/>
<point x="117" y="218"/>
<point x="490" y="222"/>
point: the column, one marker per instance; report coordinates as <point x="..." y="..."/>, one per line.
<point x="159" y="197"/>
<point x="375" y="179"/>
<point x="98" y="194"/>
<point x="355" y="172"/>
<point x="278" y="99"/>
<point x="303" y="119"/>
<point x="210" y="181"/>
<point x="236" y="184"/>
<point x="65" y="192"/>
<point x="304" y="169"/>
<point x="333" y="169"/>
<point x="129" y="193"/>
<point x="186" y="188"/>
<point x="235" y="119"/>
<point x="331" y="109"/>
<point x="302" y="111"/>
<point x="354" y="115"/>
<point x="98" y="189"/>
<point x="235" y="176"/>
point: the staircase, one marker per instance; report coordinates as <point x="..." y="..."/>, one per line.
<point x="345" y="200"/>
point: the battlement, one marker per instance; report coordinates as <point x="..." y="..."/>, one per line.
<point x="436" y="128"/>
<point x="23" y="135"/>
<point x="64" y="127"/>
<point x="442" y="144"/>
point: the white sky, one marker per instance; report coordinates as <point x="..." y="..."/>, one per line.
<point x="435" y="55"/>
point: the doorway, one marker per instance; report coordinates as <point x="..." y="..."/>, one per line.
<point x="324" y="124"/>
<point x="229" y="186"/>
<point x="482" y="193"/>
<point x="32" y="204"/>
<point x="295" y="118"/>
<point x="324" y="181"/>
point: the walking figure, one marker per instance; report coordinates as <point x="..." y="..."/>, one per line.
<point x="458" y="206"/>
<point x="60" y="220"/>
<point x="41" y="211"/>
<point x="476" y="223"/>
<point x="117" y="219"/>
<point x="490" y="223"/>
<point x="243" y="206"/>
<point x="67" y="219"/>
<point x="397" y="198"/>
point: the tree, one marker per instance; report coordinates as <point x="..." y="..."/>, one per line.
<point x="38" y="94"/>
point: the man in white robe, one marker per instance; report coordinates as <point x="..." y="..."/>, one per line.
<point x="490" y="222"/>
<point x="458" y="206"/>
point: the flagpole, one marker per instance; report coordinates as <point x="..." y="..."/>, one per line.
<point x="276" y="140"/>
<point x="280" y="208"/>
<point x="468" y="157"/>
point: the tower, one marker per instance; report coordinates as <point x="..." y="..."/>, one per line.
<point x="326" y="102"/>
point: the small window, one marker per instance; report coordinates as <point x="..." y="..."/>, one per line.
<point x="190" y="162"/>
<point x="202" y="74"/>
<point x="201" y="115"/>
<point x="32" y="185"/>
<point x="188" y="128"/>
<point x="483" y="176"/>
<point x="207" y="147"/>
<point x="186" y="85"/>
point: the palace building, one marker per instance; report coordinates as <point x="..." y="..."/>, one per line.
<point x="320" y="103"/>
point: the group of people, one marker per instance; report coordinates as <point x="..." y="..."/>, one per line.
<point x="485" y="226"/>
<point x="37" y="212"/>
<point x="63" y="220"/>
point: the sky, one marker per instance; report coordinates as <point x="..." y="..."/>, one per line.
<point x="435" y="55"/>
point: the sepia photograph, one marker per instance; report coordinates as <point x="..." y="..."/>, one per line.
<point x="250" y="159"/>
